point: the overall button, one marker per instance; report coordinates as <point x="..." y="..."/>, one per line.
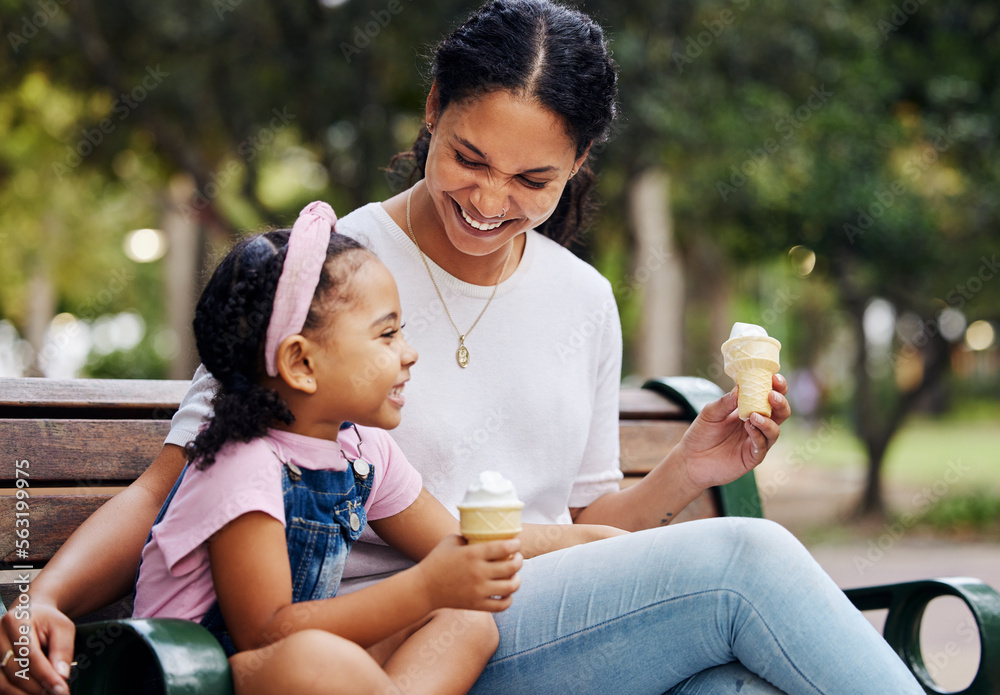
<point x="355" y="521"/>
<point x="294" y="472"/>
<point x="361" y="467"/>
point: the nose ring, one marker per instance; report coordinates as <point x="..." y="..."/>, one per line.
<point x="503" y="213"/>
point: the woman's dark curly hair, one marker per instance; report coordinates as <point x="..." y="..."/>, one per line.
<point x="230" y="328"/>
<point x="541" y="50"/>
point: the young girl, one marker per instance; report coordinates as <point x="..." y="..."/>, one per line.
<point x="302" y="330"/>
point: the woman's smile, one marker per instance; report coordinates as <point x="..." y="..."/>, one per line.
<point x="483" y="228"/>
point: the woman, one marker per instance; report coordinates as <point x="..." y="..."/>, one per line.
<point x="520" y="93"/>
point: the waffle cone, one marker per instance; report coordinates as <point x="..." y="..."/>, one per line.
<point x="481" y="524"/>
<point x="751" y="361"/>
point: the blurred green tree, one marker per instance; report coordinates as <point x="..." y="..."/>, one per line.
<point x="205" y="117"/>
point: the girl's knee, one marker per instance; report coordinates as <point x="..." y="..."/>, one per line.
<point x="486" y="631"/>
<point x="470" y="627"/>
<point x="308" y="645"/>
<point x="303" y="662"/>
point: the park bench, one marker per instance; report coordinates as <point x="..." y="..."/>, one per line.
<point x="69" y="445"/>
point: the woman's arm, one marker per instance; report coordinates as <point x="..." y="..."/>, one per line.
<point x="717" y="448"/>
<point x="253" y="584"/>
<point x="416" y="530"/>
<point x="97" y="564"/>
<point x="538" y="539"/>
<point x="94" y="567"/>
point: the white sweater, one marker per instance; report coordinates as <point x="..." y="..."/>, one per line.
<point x="538" y="401"/>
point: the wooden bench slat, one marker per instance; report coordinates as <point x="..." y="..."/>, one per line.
<point x="51" y="521"/>
<point x="71" y="451"/>
<point x="112" y="394"/>
<point x="644" y="444"/>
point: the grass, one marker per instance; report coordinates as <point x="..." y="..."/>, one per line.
<point x="945" y="472"/>
<point x="973" y="515"/>
<point x="963" y="454"/>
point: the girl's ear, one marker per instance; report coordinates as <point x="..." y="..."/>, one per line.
<point x="293" y="363"/>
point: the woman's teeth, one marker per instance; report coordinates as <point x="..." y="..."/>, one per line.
<point x="478" y="225"/>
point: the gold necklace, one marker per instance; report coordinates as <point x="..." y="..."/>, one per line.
<point x="462" y="354"/>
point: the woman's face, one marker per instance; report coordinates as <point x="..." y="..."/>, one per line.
<point x="491" y="154"/>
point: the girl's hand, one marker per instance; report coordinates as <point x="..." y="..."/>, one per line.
<point x="719" y="447"/>
<point x="479" y="576"/>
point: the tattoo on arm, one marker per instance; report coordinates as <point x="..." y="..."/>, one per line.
<point x="667" y="519"/>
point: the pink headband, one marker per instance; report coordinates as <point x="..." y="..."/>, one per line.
<point x="304" y="260"/>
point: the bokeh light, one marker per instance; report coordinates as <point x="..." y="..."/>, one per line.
<point x="980" y="335"/>
<point x="803" y="260"/>
<point x="952" y="323"/>
<point x="145" y="245"/>
<point x="879" y="322"/>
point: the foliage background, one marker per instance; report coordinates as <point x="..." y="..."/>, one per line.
<point x="833" y="173"/>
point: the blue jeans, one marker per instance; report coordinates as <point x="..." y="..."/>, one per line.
<point x="716" y="606"/>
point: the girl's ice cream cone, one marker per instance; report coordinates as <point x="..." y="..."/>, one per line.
<point x="490" y="510"/>
<point x="751" y="359"/>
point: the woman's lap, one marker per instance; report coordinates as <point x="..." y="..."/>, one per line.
<point x="646" y="612"/>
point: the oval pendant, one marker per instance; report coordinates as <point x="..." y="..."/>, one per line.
<point x="462" y="356"/>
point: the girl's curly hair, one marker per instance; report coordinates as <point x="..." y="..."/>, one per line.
<point x="230" y="328"/>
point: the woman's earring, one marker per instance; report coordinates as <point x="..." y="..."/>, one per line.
<point x="572" y="173"/>
<point x="429" y="126"/>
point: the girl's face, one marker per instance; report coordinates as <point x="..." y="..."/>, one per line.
<point x="363" y="361"/>
<point x="493" y="153"/>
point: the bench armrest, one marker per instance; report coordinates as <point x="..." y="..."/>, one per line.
<point x="906" y="603"/>
<point x="178" y="657"/>
<point x="691" y="393"/>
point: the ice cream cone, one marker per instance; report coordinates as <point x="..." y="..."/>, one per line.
<point x="490" y="510"/>
<point x="751" y="361"/>
<point x="481" y="524"/>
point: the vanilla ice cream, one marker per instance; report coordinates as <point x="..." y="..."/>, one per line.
<point x="490" y="509"/>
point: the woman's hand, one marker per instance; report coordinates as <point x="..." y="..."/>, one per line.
<point x="49" y="650"/>
<point x="478" y="576"/>
<point x="718" y="447"/>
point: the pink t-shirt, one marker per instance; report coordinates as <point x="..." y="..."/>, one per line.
<point x="175" y="580"/>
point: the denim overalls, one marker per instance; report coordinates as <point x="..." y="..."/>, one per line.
<point x="324" y="516"/>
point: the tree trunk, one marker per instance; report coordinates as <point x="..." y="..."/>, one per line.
<point x="879" y="419"/>
<point x="41" y="309"/>
<point x="657" y="276"/>
<point x="183" y="262"/>
<point x="872" y="503"/>
<point x="867" y="425"/>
